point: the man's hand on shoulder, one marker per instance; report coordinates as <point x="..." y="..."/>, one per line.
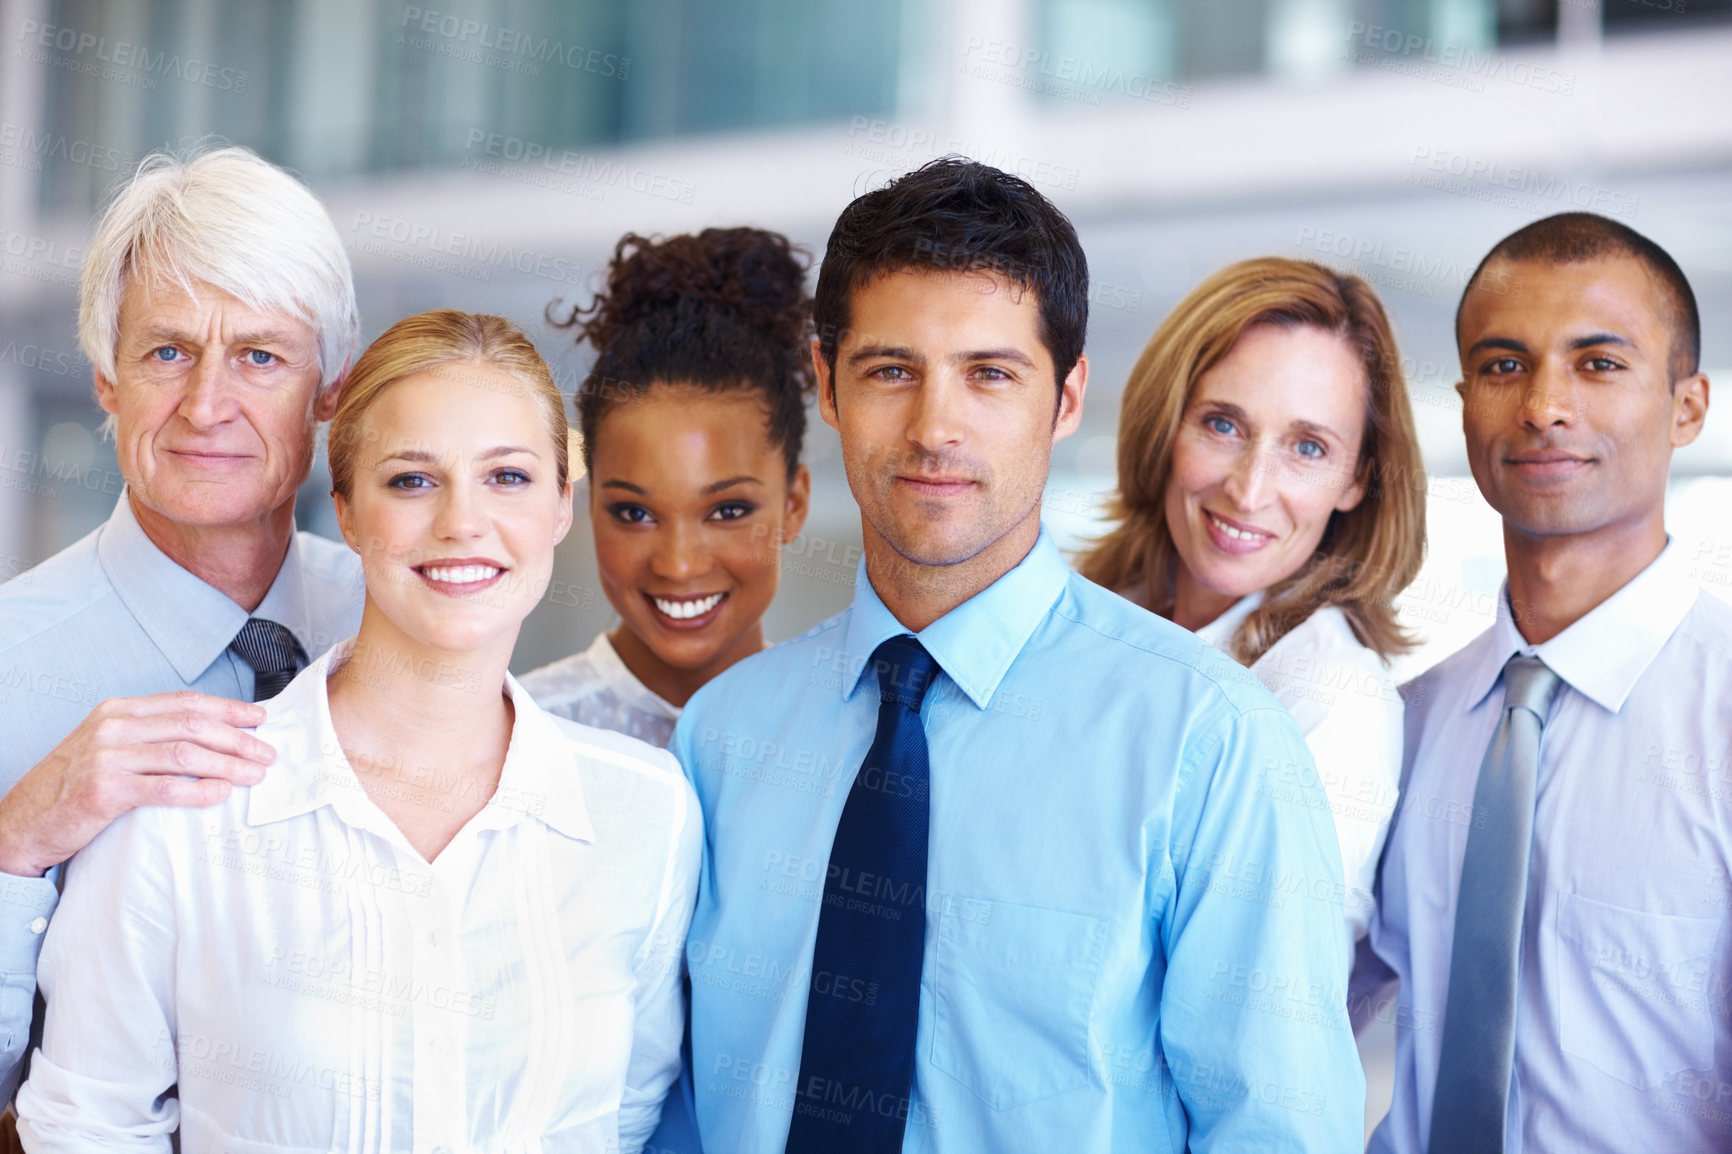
<point x="183" y="748"/>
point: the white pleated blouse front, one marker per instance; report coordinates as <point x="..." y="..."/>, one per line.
<point x="311" y="983"/>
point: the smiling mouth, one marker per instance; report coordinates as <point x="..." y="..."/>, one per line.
<point x="686" y="608"/>
<point x="1236" y="533"/>
<point x="470" y="577"/>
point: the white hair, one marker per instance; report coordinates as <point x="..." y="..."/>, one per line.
<point x="234" y="221"/>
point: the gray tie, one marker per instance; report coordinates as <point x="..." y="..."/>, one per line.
<point x="273" y="653"/>
<point x="1478" y="1052"/>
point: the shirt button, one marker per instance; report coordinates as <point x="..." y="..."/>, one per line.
<point x="433" y="938"/>
<point x="39" y="926"/>
<point x="440" y="1045"/>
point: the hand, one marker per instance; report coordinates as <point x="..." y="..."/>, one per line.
<point x="182" y="748"/>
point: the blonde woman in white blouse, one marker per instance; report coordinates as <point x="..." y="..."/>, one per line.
<point x="1271" y="498"/>
<point x="445" y="920"/>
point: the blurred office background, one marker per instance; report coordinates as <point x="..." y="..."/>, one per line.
<point x="486" y="154"/>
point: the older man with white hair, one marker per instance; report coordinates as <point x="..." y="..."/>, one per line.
<point x="217" y="307"/>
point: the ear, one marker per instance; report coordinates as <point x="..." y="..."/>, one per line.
<point x="1355" y="493"/>
<point x="325" y="404"/>
<point x="563" y="525"/>
<point x="346" y="521"/>
<point x="105" y="393"/>
<point x="799" y="503"/>
<point x="826" y="387"/>
<point x="1689" y="409"/>
<point x="1070" y="399"/>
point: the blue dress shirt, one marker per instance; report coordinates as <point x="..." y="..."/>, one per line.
<point x="112" y="616"/>
<point x="1624" y="995"/>
<point x="1132" y="936"/>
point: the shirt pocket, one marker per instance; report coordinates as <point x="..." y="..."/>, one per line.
<point x="1014" y="991"/>
<point x="1633" y="991"/>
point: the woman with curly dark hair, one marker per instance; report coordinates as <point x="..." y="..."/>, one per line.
<point x="692" y="420"/>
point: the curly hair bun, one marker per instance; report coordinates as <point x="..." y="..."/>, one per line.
<point x="756" y="275"/>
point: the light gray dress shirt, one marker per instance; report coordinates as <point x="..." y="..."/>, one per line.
<point x="1623" y="1029"/>
<point x="112" y="616"/>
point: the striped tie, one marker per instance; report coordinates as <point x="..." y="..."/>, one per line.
<point x="272" y="652"/>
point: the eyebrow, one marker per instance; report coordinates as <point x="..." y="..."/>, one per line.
<point x="159" y="334"/>
<point x="427" y="456"/>
<point x="712" y="487"/>
<point x="1586" y="342"/>
<point x="902" y="353"/>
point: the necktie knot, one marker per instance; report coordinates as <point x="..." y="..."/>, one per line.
<point x="1530" y="684"/>
<point x="905" y="671"/>
<point x="273" y="654"/>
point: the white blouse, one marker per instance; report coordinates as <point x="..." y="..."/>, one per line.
<point x="312" y="984"/>
<point x="1347" y="706"/>
<point x="595" y="688"/>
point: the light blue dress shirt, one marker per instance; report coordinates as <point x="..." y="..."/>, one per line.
<point x="112" y="616"/>
<point x="1132" y="939"/>
<point x="1623" y="1021"/>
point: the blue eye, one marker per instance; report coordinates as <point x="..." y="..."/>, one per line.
<point x="260" y="357"/>
<point x="1219" y="425"/>
<point x="167" y="354"/>
<point x="1311" y="449"/>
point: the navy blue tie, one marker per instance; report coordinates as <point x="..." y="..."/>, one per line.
<point x="857" y="1060"/>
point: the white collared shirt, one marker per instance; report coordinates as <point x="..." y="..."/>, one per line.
<point x="1624" y="1003"/>
<point x="595" y="688"/>
<point x="1347" y="706"/>
<point x="311" y="983"/>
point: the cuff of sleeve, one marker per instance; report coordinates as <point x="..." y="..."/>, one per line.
<point x="26" y="904"/>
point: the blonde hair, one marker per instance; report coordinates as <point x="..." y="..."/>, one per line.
<point x="1368" y="554"/>
<point x="229" y="219"/>
<point x="427" y="341"/>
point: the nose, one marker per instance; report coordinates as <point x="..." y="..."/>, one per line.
<point x="936" y="421"/>
<point x="207" y="399"/>
<point x="460" y="516"/>
<point x="1248" y="483"/>
<point x="1549" y="398"/>
<point x="680" y="552"/>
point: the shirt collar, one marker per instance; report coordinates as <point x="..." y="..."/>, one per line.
<point x="190" y="621"/>
<point x="1602" y="655"/>
<point x="975" y="642"/>
<point x="605" y="659"/>
<point x="540" y="777"/>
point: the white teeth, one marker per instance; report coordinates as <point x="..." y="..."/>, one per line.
<point x="1236" y="534"/>
<point x="683" y="610"/>
<point x="460" y="574"/>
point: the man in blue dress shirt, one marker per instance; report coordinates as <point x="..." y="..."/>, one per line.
<point x="217" y="308"/>
<point x="1566" y="984"/>
<point x="1118" y="934"/>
